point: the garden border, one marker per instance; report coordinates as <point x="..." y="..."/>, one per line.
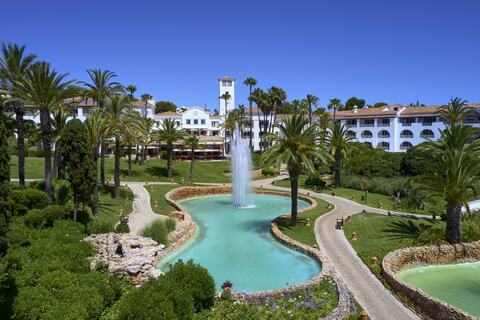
<point x="344" y="306"/>
<point x="400" y="259"/>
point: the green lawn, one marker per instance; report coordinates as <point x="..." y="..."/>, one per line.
<point x="373" y="199"/>
<point x="157" y="192"/>
<point x="153" y="170"/>
<point x="110" y="208"/>
<point x="303" y="233"/>
<point x="378" y="235"/>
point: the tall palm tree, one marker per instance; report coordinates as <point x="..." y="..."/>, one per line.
<point x="455" y="173"/>
<point x="60" y="114"/>
<point x="456" y="112"/>
<point x="14" y="64"/>
<point x="118" y="116"/>
<point x="261" y="99"/>
<point x="250" y="82"/>
<point x="232" y="118"/>
<point x="169" y="132"/>
<point x="101" y="86"/>
<point x="334" y="104"/>
<point x="145" y="98"/>
<point x="312" y="101"/>
<point x="295" y="146"/>
<point x="96" y="129"/>
<point x="226" y="97"/>
<point x="323" y="119"/>
<point x="146" y="125"/>
<point x="131" y="89"/>
<point x="192" y="142"/>
<point x="338" y="142"/>
<point x="45" y="88"/>
<point x="276" y="98"/>
<point x="295" y="103"/>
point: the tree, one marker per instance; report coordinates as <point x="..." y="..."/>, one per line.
<point x="192" y="142"/>
<point x="96" y="129"/>
<point x="169" y="132"/>
<point x="334" y="104"/>
<point x="14" y="64"/>
<point x="60" y="115"/>
<point x="100" y="87"/>
<point x="260" y="98"/>
<point x="131" y="89"/>
<point x="77" y="159"/>
<point x="145" y="98"/>
<point x="276" y="98"/>
<point x="45" y="89"/>
<point x="380" y="104"/>
<point x="312" y="102"/>
<point x="354" y="101"/>
<point x="338" y="142"/>
<point x="145" y="126"/>
<point x="4" y="185"/>
<point x="118" y="116"/>
<point x="164" y="106"/>
<point x="455" y="174"/>
<point x="295" y="146"/>
<point x="226" y="97"/>
<point x="323" y="120"/>
<point x="456" y="112"/>
<point x="250" y="82"/>
<point x="418" y="161"/>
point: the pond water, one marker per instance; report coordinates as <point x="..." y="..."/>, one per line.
<point x="456" y="284"/>
<point x="236" y="244"/>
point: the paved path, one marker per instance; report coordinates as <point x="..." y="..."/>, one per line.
<point x="368" y="290"/>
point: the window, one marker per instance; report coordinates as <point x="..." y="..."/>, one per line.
<point x="427" y="134"/>
<point x="427" y="121"/>
<point x="202" y="121"/>
<point x="195" y="121"/>
<point x="226" y="83"/>
<point x="352" y="122"/>
<point x="406" y="134"/>
<point x="367" y="134"/>
<point x="351" y="134"/>
<point x="214" y="123"/>
<point x="407" y="121"/>
<point x="383" y="122"/>
<point x="367" y="123"/>
<point x="188" y="121"/>
<point x="177" y="122"/>
<point x="405" y="145"/>
<point x="383" y="145"/>
<point x="384" y="134"/>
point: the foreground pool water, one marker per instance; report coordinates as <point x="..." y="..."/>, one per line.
<point x="456" y="284"/>
<point x="236" y="244"/>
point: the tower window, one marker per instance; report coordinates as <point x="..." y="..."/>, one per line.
<point x="226" y="83"/>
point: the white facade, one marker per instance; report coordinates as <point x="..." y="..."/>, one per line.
<point x="226" y="85"/>
<point x="195" y="120"/>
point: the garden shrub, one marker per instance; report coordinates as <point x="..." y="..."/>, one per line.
<point x="314" y="180"/>
<point x="35" y="218"/>
<point x="375" y="163"/>
<point x="36" y="153"/>
<point x="471" y="227"/>
<point x="194" y="280"/>
<point x="270" y="171"/>
<point x="39" y="218"/>
<point x="97" y="226"/>
<point x="418" y="161"/>
<point x="122" y="228"/>
<point x="158" y="230"/>
<point x="22" y="200"/>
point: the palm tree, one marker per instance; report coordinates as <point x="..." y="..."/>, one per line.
<point x="296" y="146"/>
<point x="145" y="98"/>
<point x="338" y="141"/>
<point x="192" y="142"/>
<point x="45" y="88"/>
<point x="146" y="126"/>
<point x="232" y="118"/>
<point x="14" y="64"/>
<point x="334" y="104"/>
<point x="131" y="90"/>
<point x="250" y="82"/>
<point x="226" y="97"/>
<point x="312" y="101"/>
<point x="100" y="87"/>
<point x="455" y="173"/>
<point x="456" y="112"/>
<point x="323" y="119"/>
<point x="96" y="129"/>
<point x="60" y="115"/>
<point x="169" y="133"/>
<point x="118" y="117"/>
<point x="276" y="98"/>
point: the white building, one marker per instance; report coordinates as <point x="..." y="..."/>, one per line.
<point x="395" y="127"/>
<point x="227" y="86"/>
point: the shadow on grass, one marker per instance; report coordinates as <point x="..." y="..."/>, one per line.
<point x="160" y="172"/>
<point x="408" y="229"/>
<point x="286" y="223"/>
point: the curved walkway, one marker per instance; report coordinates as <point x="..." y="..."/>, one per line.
<point x="367" y="289"/>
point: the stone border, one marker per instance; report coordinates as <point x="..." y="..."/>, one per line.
<point x="405" y="258"/>
<point x="344" y="306"/>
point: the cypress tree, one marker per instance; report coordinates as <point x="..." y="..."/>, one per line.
<point x="78" y="162"/>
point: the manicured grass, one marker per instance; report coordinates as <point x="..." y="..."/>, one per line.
<point x="110" y="208"/>
<point x="157" y="193"/>
<point x="153" y="170"/>
<point x="378" y="235"/>
<point x="373" y="199"/>
<point x="303" y="233"/>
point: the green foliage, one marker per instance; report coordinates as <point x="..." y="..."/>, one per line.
<point x="270" y="171"/>
<point x="379" y="104"/>
<point x="39" y="218"/>
<point x="98" y="226"/>
<point x="22" y="200"/>
<point x="376" y="163"/>
<point x="158" y="230"/>
<point x="418" y="161"/>
<point x="314" y="180"/>
<point x="164" y="106"/>
<point x="354" y="101"/>
<point x="471" y="227"/>
<point x="4" y="185"/>
<point x="122" y="228"/>
<point x="36" y="153"/>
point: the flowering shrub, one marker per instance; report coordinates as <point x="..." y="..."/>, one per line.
<point x="311" y="303"/>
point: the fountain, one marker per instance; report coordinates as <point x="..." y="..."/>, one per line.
<point x="241" y="167"/>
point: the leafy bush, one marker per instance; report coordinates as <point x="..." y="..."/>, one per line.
<point x="471" y="227"/>
<point x="37" y="218"/>
<point x="122" y="228"/>
<point x="314" y="180"/>
<point x="36" y="153"/>
<point x="159" y="229"/>
<point x="270" y="171"/>
<point x="417" y="161"/>
<point x="97" y="226"/>
<point x="375" y="163"/>
<point x="22" y="200"/>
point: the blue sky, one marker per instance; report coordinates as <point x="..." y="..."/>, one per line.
<point x="393" y="51"/>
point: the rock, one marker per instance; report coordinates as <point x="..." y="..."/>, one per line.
<point x="155" y="273"/>
<point x="133" y="270"/>
<point x="134" y="244"/>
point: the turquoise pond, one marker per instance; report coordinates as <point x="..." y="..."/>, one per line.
<point x="456" y="284"/>
<point x="236" y="244"/>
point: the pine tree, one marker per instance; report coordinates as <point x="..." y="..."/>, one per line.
<point x="4" y="185"/>
<point x="78" y="162"/>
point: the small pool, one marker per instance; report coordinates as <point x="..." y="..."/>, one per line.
<point x="455" y="284"/>
<point x="236" y="244"/>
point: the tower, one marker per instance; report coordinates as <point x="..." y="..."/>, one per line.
<point x="227" y="84"/>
